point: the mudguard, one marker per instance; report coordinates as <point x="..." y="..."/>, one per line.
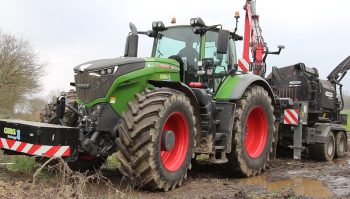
<point x="323" y="130"/>
<point x="233" y="87"/>
<point x="180" y="87"/>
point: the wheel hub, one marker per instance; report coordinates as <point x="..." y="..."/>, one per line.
<point x="168" y="141"/>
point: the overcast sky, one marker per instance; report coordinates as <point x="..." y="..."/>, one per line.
<point x="66" y="33"/>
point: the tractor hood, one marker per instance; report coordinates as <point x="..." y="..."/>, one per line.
<point x="107" y="63"/>
<point x="93" y="79"/>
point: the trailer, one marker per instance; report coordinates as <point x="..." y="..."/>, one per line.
<point x="309" y="110"/>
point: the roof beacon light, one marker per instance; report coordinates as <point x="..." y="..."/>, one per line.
<point x="237" y="15"/>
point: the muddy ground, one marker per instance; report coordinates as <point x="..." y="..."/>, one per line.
<point x="284" y="178"/>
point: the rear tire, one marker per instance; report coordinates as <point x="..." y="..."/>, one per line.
<point x="48" y="114"/>
<point x="341" y="144"/>
<point x="144" y="161"/>
<point x="252" y="133"/>
<point x="323" y="151"/>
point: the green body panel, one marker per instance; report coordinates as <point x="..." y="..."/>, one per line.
<point x="125" y="87"/>
<point x="202" y="49"/>
<point x="227" y="87"/>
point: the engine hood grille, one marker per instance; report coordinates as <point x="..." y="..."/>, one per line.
<point x="91" y="85"/>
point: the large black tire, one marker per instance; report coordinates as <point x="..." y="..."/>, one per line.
<point x="323" y="151"/>
<point x="341" y="144"/>
<point x="48" y="115"/>
<point x="144" y="161"/>
<point x="252" y="133"/>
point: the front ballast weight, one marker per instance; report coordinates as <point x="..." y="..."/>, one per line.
<point x="19" y="137"/>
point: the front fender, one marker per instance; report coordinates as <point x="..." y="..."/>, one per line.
<point x="233" y="87"/>
<point x="180" y="87"/>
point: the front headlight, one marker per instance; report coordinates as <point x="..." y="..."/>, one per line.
<point x="104" y="71"/>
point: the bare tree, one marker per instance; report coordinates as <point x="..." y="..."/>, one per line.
<point x="30" y="110"/>
<point x="20" y="72"/>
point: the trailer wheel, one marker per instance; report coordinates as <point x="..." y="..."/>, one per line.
<point x="156" y="139"/>
<point x="252" y="133"/>
<point x="324" y="151"/>
<point x="341" y="144"/>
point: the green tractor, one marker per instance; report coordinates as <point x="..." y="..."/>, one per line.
<point x="187" y="99"/>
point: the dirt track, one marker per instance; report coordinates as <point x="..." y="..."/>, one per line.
<point x="284" y="178"/>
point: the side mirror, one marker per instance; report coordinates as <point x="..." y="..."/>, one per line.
<point x="132" y="41"/>
<point x="281" y="47"/>
<point x="223" y="38"/>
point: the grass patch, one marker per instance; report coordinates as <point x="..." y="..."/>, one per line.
<point x="112" y="162"/>
<point x="347" y="112"/>
<point x="22" y="164"/>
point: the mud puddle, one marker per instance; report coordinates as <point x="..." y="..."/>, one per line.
<point x="309" y="187"/>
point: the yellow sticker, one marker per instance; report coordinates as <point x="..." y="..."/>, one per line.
<point x="112" y="100"/>
<point x="164" y="77"/>
<point x="10" y="131"/>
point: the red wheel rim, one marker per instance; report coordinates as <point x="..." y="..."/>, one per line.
<point x="173" y="160"/>
<point x="256" y="132"/>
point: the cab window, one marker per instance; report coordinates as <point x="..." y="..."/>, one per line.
<point x="220" y="60"/>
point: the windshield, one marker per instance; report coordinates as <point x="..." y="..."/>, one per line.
<point x="220" y="60"/>
<point x="179" y="41"/>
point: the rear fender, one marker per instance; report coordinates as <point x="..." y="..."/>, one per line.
<point x="234" y="87"/>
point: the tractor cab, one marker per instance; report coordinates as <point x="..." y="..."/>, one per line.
<point x="205" y="53"/>
<point x="191" y="50"/>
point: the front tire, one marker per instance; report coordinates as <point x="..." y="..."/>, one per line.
<point x="148" y="158"/>
<point x="252" y="133"/>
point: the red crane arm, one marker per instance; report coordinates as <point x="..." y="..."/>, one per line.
<point x="253" y="41"/>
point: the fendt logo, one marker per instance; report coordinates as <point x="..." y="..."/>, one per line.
<point x="12" y="133"/>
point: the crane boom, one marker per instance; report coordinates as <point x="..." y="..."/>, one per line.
<point x="254" y="43"/>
